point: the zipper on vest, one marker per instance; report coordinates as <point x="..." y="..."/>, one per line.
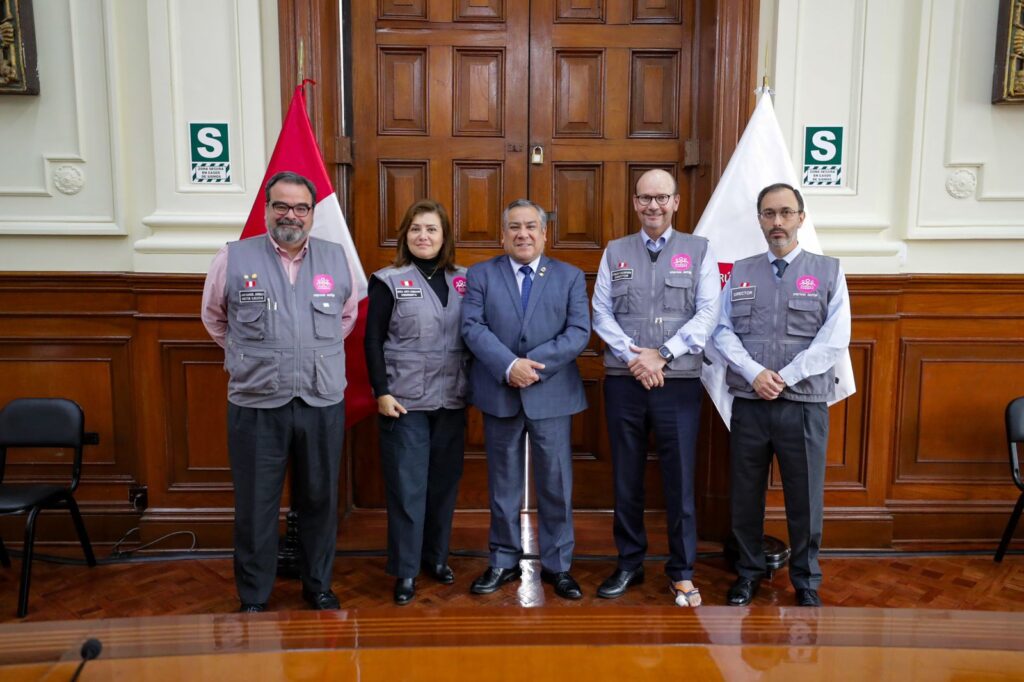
<point x="297" y="360"/>
<point x="653" y="326"/>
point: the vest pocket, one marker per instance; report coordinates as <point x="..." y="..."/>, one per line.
<point x="254" y="373"/>
<point x="620" y="297"/>
<point x="803" y="317"/>
<point x="462" y="378"/>
<point x="330" y="372"/>
<point x="740" y="317"/>
<point x="325" y="318"/>
<point x="678" y="293"/>
<point x="406" y="320"/>
<point x="405" y="375"/>
<point x="252" y="322"/>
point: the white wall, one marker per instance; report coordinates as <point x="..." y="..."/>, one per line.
<point x="102" y="176"/>
<point x="910" y="81"/>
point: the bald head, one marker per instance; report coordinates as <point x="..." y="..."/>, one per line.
<point x="656" y="201"/>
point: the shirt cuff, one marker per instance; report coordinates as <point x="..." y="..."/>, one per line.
<point x="751" y="369"/>
<point x="677" y="346"/>
<point x="789" y="375"/>
<point x="508" y="371"/>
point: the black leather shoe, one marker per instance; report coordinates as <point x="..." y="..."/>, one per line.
<point x="442" y="573"/>
<point x="322" y="601"/>
<point x="742" y="592"/>
<point x="619" y="581"/>
<point x="405" y="590"/>
<point x="807" y="597"/>
<point x="493" y="578"/>
<point x="253" y="608"/>
<point x="566" y="586"/>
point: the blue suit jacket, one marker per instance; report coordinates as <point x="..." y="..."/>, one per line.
<point x="554" y="330"/>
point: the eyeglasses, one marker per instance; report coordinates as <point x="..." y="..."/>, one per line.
<point x="300" y="210"/>
<point x="786" y="213"/>
<point x="645" y="199"/>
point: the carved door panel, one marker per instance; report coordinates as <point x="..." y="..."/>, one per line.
<point x="450" y="97"/>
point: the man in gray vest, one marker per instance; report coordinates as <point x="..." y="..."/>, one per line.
<point x="785" y="322"/>
<point x="655" y="306"/>
<point x="281" y="305"/>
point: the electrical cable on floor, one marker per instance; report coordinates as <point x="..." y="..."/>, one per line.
<point x="129" y="557"/>
<point x="116" y="553"/>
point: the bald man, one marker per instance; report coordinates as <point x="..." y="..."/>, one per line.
<point x="655" y="305"/>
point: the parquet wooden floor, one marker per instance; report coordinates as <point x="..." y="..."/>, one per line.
<point x="205" y="585"/>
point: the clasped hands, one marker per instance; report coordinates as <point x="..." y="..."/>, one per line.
<point x="768" y="384"/>
<point x="524" y="372"/>
<point x="647" y="367"/>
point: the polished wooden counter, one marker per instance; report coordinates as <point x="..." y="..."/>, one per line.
<point x="631" y="643"/>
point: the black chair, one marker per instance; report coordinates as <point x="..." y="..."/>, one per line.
<point x="41" y="423"/>
<point x="1014" y="435"/>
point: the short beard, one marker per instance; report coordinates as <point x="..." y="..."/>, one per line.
<point x="288" y="234"/>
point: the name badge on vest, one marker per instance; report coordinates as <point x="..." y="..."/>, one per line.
<point x="619" y="275"/>
<point x="252" y="295"/>
<point x="744" y="292"/>
<point x="403" y="293"/>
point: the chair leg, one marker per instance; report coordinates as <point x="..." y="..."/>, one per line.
<point x="1011" y="526"/>
<point x="5" y="559"/>
<point x="26" y="561"/>
<point x="83" y="536"/>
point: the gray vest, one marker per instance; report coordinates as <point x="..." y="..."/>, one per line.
<point x="777" y="320"/>
<point x="285" y="341"/>
<point x="426" y="360"/>
<point x="651" y="301"/>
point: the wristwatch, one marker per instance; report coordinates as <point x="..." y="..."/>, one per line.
<point x="666" y="354"/>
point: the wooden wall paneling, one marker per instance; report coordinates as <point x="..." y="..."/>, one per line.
<point x="579" y="93"/>
<point x="578" y="208"/>
<point x="653" y="93"/>
<point x="479" y="92"/>
<point x="657" y="11"/>
<point x="402" y="9"/>
<point x="580" y="11"/>
<point x="402" y="183"/>
<point x="402" y="88"/>
<point x="477" y="203"/>
<point x="479" y="10"/>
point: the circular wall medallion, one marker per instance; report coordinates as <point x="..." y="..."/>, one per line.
<point x="68" y="179"/>
<point x="961" y="183"/>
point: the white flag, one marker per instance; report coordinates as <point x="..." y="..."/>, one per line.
<point x="730" y="223"/>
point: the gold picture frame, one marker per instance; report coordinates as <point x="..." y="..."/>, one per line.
<point x="19" y="71"/>
<point x="1008" y="74"/>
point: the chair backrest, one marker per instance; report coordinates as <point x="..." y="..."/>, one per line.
<point x="1015" y="435"/>
<point x="43" y="422"/>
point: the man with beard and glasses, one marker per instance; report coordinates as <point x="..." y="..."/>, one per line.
<point x="281" y="305"/>
<point x="785" y="323"/>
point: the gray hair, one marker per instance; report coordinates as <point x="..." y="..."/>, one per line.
<point x="524" y="203"/>
<point x="291" y="178"/>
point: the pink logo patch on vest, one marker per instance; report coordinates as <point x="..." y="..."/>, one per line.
<point x="681" y="262"/>
<point x="324" y="284"/>
<point x="807" y="283"/>
<point x="460" y="285"/>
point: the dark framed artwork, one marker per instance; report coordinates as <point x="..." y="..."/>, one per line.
<point x="19" y="73"/>
<point x="1008" y="73"/>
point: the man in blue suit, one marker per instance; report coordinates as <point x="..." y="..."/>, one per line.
<point x="526" y="318"/>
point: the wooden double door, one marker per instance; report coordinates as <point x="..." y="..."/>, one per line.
<point x="475" y="103"/>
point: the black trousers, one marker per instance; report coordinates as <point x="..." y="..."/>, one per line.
<point x="260" y="441"/>
<point x="421" y="456"/>
<point x="797" y="433"/>
<point x="672" y="412"/>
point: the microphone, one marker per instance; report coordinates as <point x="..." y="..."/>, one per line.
<point x="90" y="650"/>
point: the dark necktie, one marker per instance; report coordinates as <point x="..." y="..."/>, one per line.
<point x="527" y="284"/>
<point x="780" y="266"/>
<point x="653" y="249"/>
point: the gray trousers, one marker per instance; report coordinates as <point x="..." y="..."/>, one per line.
<point x="797" y="433"/>
<point x="260" y="442"/>
<point x="421" y="458"/>
<point x="551" y="462"/>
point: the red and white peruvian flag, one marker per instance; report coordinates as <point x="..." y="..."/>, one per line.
<point x="406" y="282"/>
<point x="730" y="223"/>
<point x="296" y="150"/>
